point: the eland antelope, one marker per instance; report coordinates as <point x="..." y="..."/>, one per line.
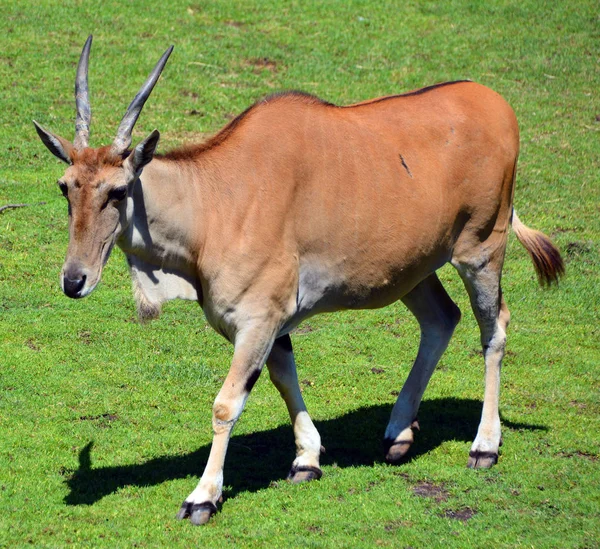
<point x="299" y="207"/>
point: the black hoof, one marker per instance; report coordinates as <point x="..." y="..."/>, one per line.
<point x="184" y="511"/>
<point x="198" y="513"/>
<point x="482" y="460"/>
<point x="395" y="451"/>
<point x="304" y="473"/>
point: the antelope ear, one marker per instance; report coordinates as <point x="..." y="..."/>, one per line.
<point x="143" y="152"/>
<point x="59" y="147"/>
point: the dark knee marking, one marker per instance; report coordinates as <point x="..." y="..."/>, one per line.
<point x="252" y="380"/>
<point x="284" y="343"/>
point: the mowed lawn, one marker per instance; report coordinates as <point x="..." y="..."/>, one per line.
<point x="105" y="424"/>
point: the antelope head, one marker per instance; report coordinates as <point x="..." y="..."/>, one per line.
<point x="98" y="184"/>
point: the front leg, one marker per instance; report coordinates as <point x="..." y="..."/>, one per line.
<point x="252" y="346"/>
<point x="282" y="370"/>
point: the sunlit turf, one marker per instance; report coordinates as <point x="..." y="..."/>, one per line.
<point x="105" y="423"/>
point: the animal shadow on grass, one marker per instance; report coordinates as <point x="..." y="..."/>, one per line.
<point x="256" y="460"/>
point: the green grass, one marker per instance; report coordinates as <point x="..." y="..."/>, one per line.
<point x="105" y="424"/>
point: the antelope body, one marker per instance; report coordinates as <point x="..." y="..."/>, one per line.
<point x="299" y="207"/>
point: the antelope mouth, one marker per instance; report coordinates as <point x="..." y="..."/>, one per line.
<point x="79" y="281"/>
<point x="78" y="284"/>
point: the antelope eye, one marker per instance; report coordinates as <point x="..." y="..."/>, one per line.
<point x="63" y="188"/>
<point x="118" y="194"/>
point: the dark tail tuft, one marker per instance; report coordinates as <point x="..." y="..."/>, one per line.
<point x="546" y="258"/>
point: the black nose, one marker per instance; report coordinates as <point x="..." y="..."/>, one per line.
<point x="72" y="286"/>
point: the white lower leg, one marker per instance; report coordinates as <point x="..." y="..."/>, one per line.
<point x="227" y="408"/>
<point x="282" y="370"/>
<point x="210" y="487"/>
<point x="488" y="434"/>
<point x="308" y="441"/>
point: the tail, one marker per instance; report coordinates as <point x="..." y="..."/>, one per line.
<point x="546" y="258"/>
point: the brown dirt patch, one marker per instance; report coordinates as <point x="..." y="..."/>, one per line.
<point x="464" y="514"/>
<point x="579" y="454"/>
<point x="430" y="490"/>
<point x="85" y="336"/>
<point x="397" y="525"/>
<point x="32" y="344"/>
<point x="259" y="64"/>
<point x="102" y="420"/>
<point x="235" y="24"/>
<point x="575" y="249"/>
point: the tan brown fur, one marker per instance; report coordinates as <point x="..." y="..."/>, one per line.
<point x="299" y="207"/>
<point x="193" y="151"/>
<point x="91" y="160"/>
<point x="190" y="152"/>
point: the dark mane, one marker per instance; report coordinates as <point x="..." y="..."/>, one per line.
<point x="296" y="95"/>
<point x="406" y="94"/>
<point x="191" y="151"/>
<point x="429" y="88"/>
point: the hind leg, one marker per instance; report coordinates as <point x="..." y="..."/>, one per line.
<point x="437" y="316"/>
<point x="483" y="285"/>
